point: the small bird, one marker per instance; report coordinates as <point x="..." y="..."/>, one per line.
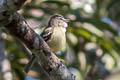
<point x="54" y="35"/>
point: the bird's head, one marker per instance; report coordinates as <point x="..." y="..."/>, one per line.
<point x="58" y="21"/>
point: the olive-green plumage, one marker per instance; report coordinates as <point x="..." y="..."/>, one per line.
<point x="54" y="33"/>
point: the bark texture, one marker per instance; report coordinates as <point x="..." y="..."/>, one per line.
<point x="37" y="66"/>
<point x="51" y="64"/>
<point x="18" y="28"/>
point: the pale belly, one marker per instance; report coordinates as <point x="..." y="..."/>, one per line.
<point x="58" y="41"/>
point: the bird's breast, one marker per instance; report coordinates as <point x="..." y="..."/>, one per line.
<point x="58" y="40"/>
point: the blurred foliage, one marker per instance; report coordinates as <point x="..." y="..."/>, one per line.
<point x="93" y="35"/>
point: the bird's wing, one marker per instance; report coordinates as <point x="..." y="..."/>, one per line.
<point x="46" y="34"/>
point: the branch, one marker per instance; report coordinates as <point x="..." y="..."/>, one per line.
<point x="42" y="74"/>
<point x="18" y="27"/>
<point x="8" y="7"/>
<point x="51" y="64"/>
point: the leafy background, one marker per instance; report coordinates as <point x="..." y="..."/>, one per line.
<point x="93" y="37"/>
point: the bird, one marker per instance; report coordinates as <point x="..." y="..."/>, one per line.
<point x="54" y="35"/>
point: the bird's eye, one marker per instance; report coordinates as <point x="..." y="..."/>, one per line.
<point x="61" y="18"/>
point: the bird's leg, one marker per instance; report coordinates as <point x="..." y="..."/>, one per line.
<point x="32" y="60"/>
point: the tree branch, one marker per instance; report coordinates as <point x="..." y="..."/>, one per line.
<point x="8" y="7"/>
<point x="51" y="64"/>
<point x="19" y="28"/>
<point x="42" y="74"/>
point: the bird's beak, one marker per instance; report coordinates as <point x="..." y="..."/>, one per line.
<point x="67" y="20"/>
